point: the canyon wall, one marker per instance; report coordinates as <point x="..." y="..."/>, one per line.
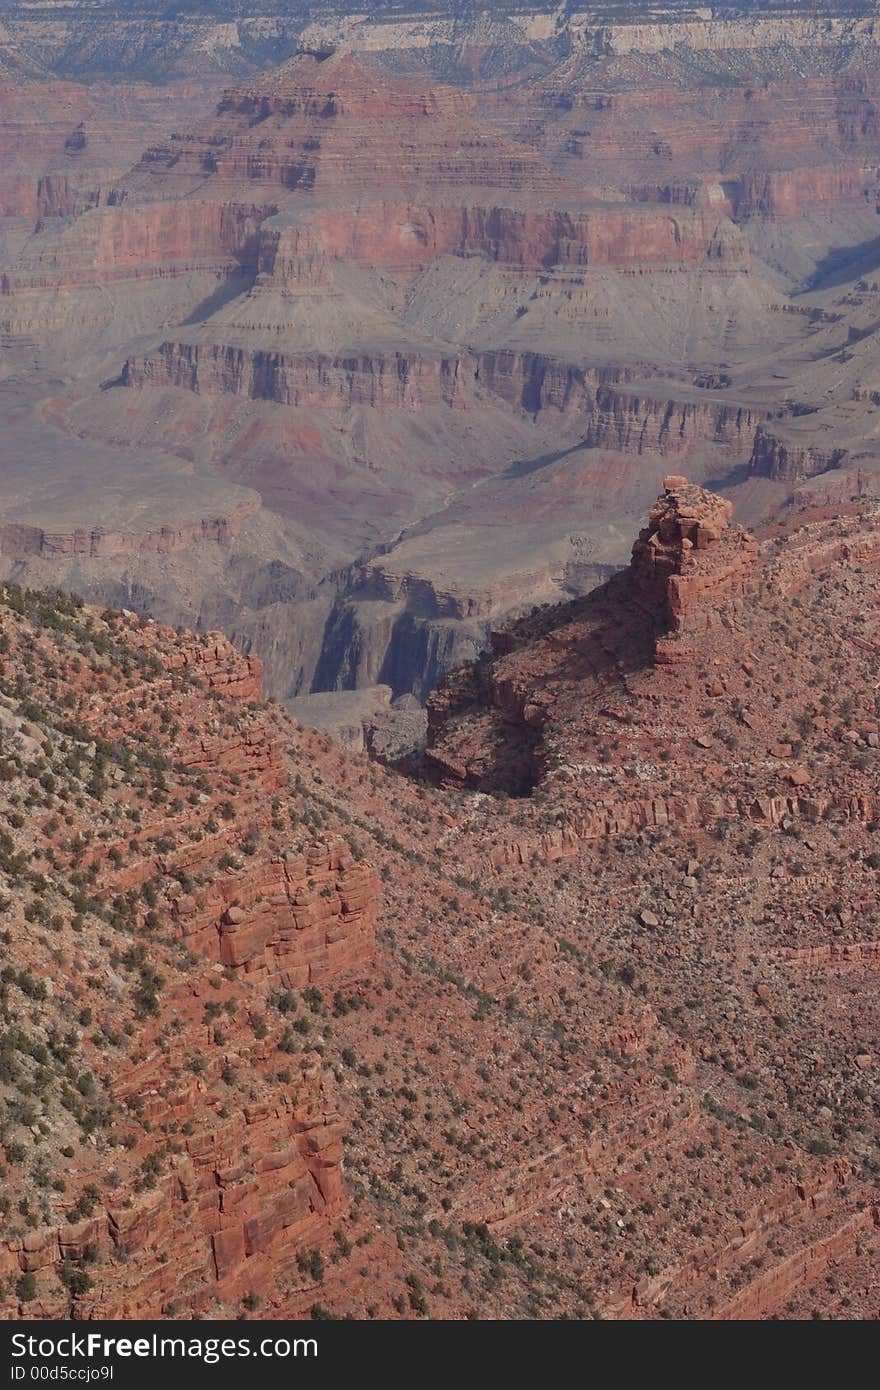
<point x="160" y="240"/>
<point x="410" y="235"/>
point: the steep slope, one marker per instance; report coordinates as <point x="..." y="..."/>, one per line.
<point x="633" y="1080"/>
<point x="159" y="900"/>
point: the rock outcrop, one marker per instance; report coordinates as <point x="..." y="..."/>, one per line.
<point x="693" y="584"/>
<point x="689" y="562"/>
<point x="20" y="542"/>
<point x="406" y="236"/>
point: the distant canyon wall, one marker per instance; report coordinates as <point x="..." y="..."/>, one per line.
<point x="617" y="417"/>
<point x="102" y="41"/>
<point x="626" y="238"/>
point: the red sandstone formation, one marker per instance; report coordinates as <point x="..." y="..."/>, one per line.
<point x="771" y="144"/>
<point x="689" y="560"/>
<point x="694" y="578"/>
<point x="408" y="235"/>
<point x="303" y="131"/>
<point x="308" y="124"/>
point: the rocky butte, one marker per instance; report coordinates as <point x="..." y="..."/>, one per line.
<point x="689" y="562"/>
